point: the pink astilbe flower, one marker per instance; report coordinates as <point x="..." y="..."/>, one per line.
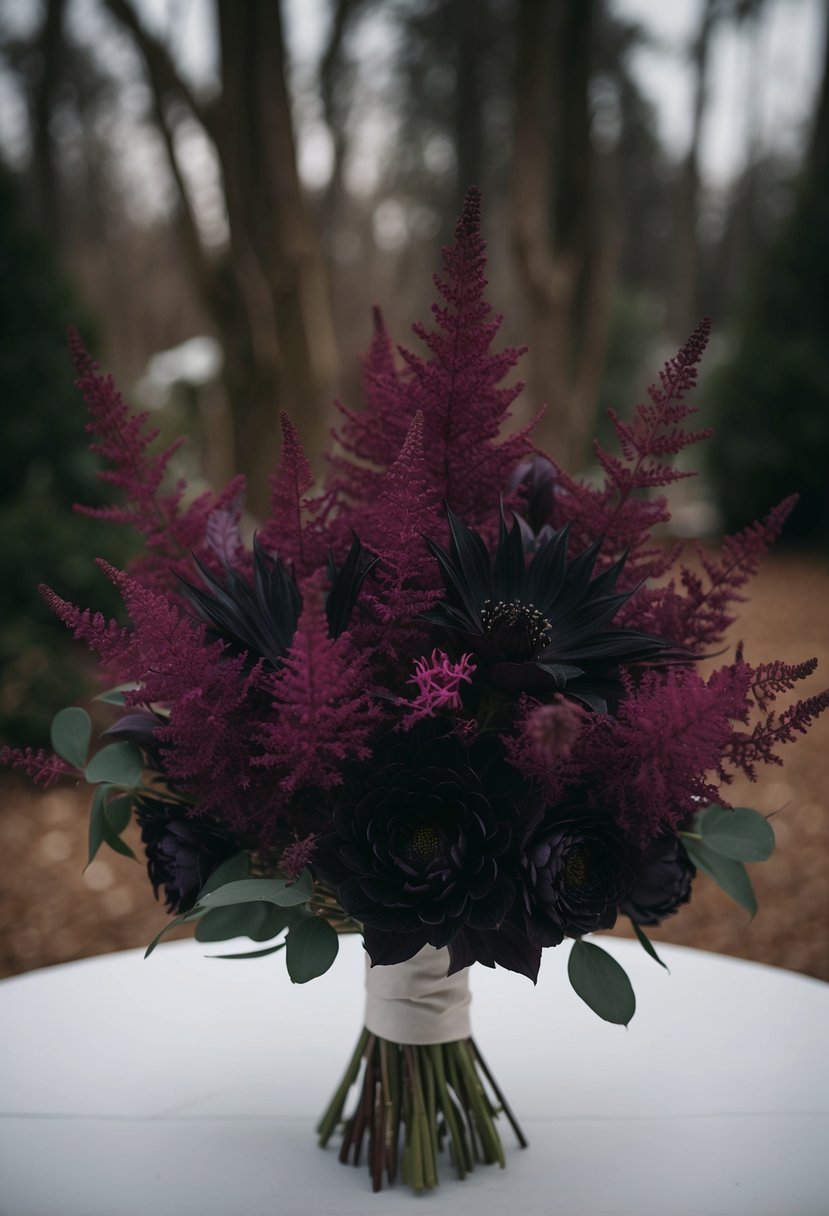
<point x="172" y="530"/>
<point x="296" y="528"/>
<point x="438" y="681"/>
<point x="44" y="767"/>
<point x="321" y="714"/>
<point x="661" y="757"/>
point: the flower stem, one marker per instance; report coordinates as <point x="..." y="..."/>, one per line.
<point x="414" y="1101"/>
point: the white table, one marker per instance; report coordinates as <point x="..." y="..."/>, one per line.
<point x="185" y="1086"/>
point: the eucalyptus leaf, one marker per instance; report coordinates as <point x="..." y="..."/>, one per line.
<point x="232" y="869"/>
<point x="118" y="812"/>
<point x="115" y="696"/>
<point x="729" y="875"/>
<point x="648" y="945"/>
<point x="71" y="732"/>
<point x="97" y="823"/>
<point x="312" y="947"/>
<point x="601" y="983"/>
<point x="250" y="890"/>
<point x="118" y="764"/>
<point x="259" y="921"/>
<point x="178" y="920"/>
<point x="250" y="953"/>
<point x="740" y="834"/>
<point x="116" y="843"/>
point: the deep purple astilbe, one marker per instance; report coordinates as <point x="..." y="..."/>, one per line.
<point x="405" y="580"/>
<point x="698" y="615"/>
<point x="370" y="439"/>
<point x="321" y="713"/>
<point x="296" y="527"/>
<point x="541" y="743"/>
<point x="766" y="682"/>
<point x="647" y="445"/>
<point x="457" y="387"/>
<point x="43" y="767"/>
<point x="171" y="529"/>
<point x="662" y="755"/>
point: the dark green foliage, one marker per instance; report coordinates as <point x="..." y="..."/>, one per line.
<point x="45" y="467"/>
<point x="772" y="396"/>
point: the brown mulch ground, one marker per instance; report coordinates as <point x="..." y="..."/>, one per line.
<point x="51" y="912"/>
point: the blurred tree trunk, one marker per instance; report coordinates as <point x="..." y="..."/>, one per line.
<point x="566" y="263"/>
<point x="685" y="257"/>
<point x="50" y="48"/>
<point x="267" y="294"/>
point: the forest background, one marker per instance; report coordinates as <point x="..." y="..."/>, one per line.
<point x="216" y="193"/>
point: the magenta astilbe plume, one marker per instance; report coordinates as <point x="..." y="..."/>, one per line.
<point x="44" y="767"/>
<point x="296" y="528"/>
<point x="654" y="764"/>
<point x="405" y="581"/>
<point x="647" y="446"/>
<point x="457" y="387"/>
<point x="172" y="530"/>
<point x="322" y="714"/>
<point x="767" y="681"/>
<point x="370" y="439"/>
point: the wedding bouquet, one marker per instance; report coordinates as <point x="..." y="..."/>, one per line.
<point x="449" y="700"/>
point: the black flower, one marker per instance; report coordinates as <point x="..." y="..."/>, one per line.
<point x="425" y="850"/>
<point x="578" y="867"/>
<point x="664" y="874"/>
<point x="181" y="853"/>
<point x="540" y="627"/>
<point x="258" y="618"/>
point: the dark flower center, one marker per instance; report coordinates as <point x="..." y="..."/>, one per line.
<point x="575" y="870"/>
<point x="425" y="844"/>
<point x="520" y="630"/>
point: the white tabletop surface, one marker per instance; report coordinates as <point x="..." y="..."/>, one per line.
<point x="186" y="1086"/>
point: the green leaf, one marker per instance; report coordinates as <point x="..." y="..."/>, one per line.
<point x="118" y="812"/>
<point x="118" y="764"/>
<point x="230" y="870"/>
<point x="740" y="834"/>
<point x="601" y="983"/>
<point x="107" y="821"/>
<point x="97" y="822"/>
<point x="250" y="890"/>
<point x="250" y="953"/>
<point x="71" y="732"/>
<point x="171" y="924"/>
<point x="312" y="948"/>
<point x="648" y="945"/>
<point x="115" y="696"/>
<point x="729" y="875"/>
<point x="258" y="921"/>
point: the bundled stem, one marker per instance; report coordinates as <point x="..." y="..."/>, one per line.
<point x="412" y="1102"/>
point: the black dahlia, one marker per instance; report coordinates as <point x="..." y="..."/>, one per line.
<point x="259" y="618"/>
<point x="578" y="867"/>
<point x="425" y="851"/>
<point x="181" y="853"/>
<point x="542" y="626"/>
<point x="664" y="874"/>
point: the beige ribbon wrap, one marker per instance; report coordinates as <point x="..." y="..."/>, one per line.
<point x="417" y="1002"/>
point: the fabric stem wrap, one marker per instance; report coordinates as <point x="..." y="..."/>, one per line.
<point x="416" y="1002"/>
